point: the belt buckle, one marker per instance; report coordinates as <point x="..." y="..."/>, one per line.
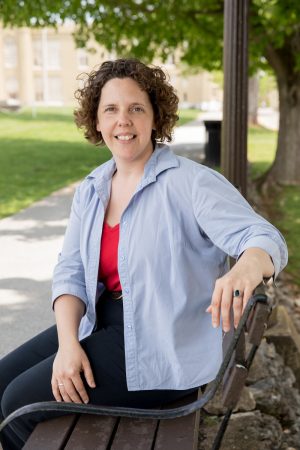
<point x="115" y="295"/>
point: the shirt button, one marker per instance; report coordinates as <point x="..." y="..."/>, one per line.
<point x="126" y="291"/>
<point x="129" y="326"/>
<point x="122" y="257"/>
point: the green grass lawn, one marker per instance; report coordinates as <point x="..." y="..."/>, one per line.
<point x="187" y="115"/>
<point x="42" y="152"/>
<point x="40" y="155"/>
<point x="261" y="149"/>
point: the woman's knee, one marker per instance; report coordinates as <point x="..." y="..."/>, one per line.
<point x="10" y="399"/>
<point x="29" y="354"/>
<point x="33" y="385"/>
<point x="8" y="371"/>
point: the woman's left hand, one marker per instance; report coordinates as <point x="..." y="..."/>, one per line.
<point x="243" y="278"/>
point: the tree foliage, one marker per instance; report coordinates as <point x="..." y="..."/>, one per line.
<point x="147" y="29"/>
<point x="138" y="28"/>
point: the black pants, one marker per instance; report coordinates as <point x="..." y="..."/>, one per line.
<point x="25" y="374"/>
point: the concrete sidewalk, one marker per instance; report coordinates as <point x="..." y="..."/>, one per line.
<point x="30" y="242"/>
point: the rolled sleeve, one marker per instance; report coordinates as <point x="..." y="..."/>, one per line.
<point x="271" y="247"/>
<point x="69" y="289"/>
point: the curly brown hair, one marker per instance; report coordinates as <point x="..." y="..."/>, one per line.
<point x="152" y="80"/>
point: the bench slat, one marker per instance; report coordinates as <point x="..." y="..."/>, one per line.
<point x="181" y="433"/>
<point x="51" y="434"/>
<point x="92" y="432"/>
<point x="134" y="434"/>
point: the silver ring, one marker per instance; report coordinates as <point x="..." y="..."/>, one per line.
<point x="237" y="293"/>
<point x="60" y="384"/>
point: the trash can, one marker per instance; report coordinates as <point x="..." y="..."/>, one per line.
<point x="213" y="142"/>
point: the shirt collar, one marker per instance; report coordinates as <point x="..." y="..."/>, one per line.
<point x="161" y="159"/>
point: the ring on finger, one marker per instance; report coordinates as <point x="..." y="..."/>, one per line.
<point x="60" y="384"/>
<point x="237" y="293"/>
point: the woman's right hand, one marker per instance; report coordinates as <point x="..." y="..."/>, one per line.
<point x="67" y="384"/>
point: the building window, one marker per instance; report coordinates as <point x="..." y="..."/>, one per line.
<point x="48" y="90"/>
<point x="37" y="53"/>
<point x="54" y="90"/>
<point x="10" y="53"/>
<point x="82" y="58"/>
<point x="12" y="88"/>
<point x="38" y="89"/>
<point x="53" y="54"/>
<point x="46" y="53"/>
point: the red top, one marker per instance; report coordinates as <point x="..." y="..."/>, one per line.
<point x="108" y="264"/>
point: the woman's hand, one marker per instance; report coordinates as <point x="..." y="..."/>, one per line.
<point x="243" y="278"/>
<point x="71" y="360"/>
<point x="67" y="384"/>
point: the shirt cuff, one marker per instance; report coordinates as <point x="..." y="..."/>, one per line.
<point x="270" y="247"/>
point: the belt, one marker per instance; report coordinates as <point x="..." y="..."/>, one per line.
<point x="114" y="295"/>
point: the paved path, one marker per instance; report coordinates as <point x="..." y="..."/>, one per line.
<point x="30" y="242"/>
<point x="268" y="118"/>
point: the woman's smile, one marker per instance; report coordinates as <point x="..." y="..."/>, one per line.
<point x="125" y="137"/>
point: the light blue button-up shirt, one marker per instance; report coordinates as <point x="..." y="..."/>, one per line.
<point x="175" y="234"/>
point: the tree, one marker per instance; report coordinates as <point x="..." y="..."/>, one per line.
<point x="151" y="28"/>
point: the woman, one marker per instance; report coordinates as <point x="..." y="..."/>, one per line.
<point x="144" y="262"/>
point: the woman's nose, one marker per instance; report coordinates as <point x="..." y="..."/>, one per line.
<point x="124" y="119"/>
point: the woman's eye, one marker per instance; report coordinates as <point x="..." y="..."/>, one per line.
<point x="137" y="109"/>
<point x="109" y="109"/>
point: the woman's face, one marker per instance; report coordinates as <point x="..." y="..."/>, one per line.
<point x="125" y="119"/>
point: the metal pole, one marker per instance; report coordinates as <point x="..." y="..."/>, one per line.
<point x="235" y="104"/>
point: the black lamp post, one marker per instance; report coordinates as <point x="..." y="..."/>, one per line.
<point x="235" y="104"/>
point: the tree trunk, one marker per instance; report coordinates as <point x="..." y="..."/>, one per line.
<point x="286" y="167"/>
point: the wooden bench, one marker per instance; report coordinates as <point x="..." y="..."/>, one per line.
<point x="90" y="432"/>
<point x="173" y="427"/>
